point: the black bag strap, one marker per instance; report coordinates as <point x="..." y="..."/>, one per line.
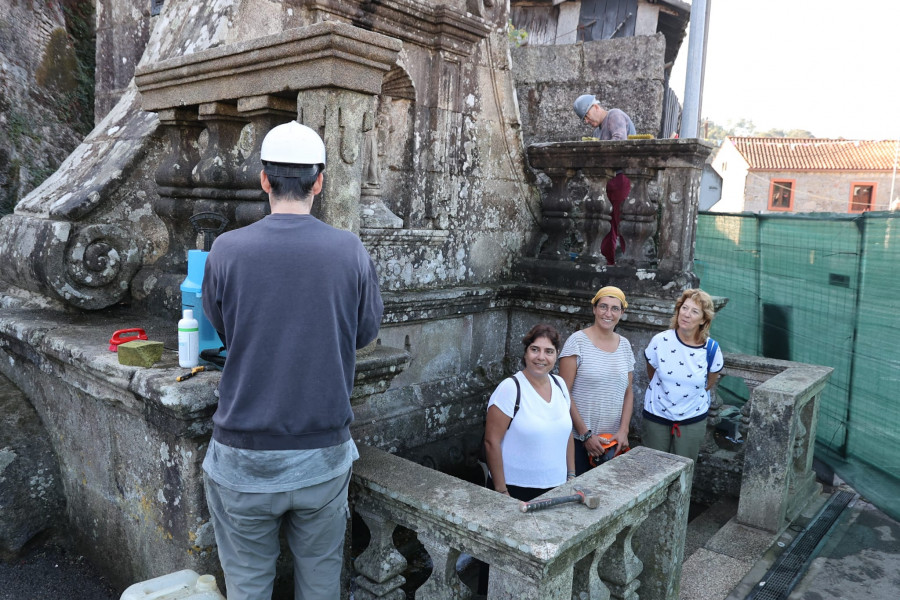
<point x="518" y="400"/>
<point x="561" y="388"/>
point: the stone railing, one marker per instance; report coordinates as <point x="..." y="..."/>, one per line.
<point x="658" y="219"/>
<point x="779" y="426"/>
<point x="635" y="539"/>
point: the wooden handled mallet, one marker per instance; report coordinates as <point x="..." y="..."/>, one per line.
<point x="582" y="495"/>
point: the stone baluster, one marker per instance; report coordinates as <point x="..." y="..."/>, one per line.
<point x="341" y="117"/>
<point x="556" y="211"/>
<point x="620" y="566"/>
<point x="380" y="565"/>
<point x="182" y="129"/>
<point x="264" y="112"/>
<point x="639" y="219"/>
<point x="444" y="583"/>
<point x="173" y="176"/>
<point x="597" y="214"/>
<point x="219" y="161"/>
<point x="586" y="582"/>
<point x="712" y="421"/>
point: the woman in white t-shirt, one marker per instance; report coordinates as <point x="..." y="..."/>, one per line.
<point x="529" y="450"/>
<point x="598" y="366"/>
<point x="683" y="364"/>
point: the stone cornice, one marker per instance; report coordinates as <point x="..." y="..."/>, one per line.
<point x="328" y="54"/>
<point x="437" y="27"/>
<point x="636" y="155"/>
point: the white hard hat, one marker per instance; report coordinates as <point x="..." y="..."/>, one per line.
<point x="294" y="144"/>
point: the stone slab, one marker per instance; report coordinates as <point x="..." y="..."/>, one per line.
<point x="705" y="526"/>
<point x="740" y="542"/>
<point x="709" y="575"/>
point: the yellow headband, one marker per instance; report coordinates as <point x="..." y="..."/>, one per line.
<point x="611" y="291"/>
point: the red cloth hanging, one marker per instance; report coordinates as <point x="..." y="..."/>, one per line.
<point x="617" y="190"/>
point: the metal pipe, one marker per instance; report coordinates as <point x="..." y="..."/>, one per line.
<point x="693" y="85"/>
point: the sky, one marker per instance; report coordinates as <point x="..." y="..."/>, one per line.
<point x="828" y="66"/>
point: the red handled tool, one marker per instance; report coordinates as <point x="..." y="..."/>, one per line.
<point x="126" y="335"/>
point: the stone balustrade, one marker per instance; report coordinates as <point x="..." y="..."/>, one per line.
<point x="631" y="545"/>
<point x="774" y="465"/>
<point x="659" y="217"/>
<point x="216" y="106"/>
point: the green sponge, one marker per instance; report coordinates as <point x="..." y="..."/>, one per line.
<point x="140" y="353"/>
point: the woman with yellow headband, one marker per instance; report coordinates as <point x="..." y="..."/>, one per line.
<point x="598" y="366"/>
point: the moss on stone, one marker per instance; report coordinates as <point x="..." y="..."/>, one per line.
<point x="140" y="353"/>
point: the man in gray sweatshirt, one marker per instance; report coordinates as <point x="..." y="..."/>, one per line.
<point x="294" y="299"/>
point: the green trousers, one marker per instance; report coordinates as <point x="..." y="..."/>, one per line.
<point x="661" y="437"/>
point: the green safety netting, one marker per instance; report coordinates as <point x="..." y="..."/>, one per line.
<point x="823" y="289"/>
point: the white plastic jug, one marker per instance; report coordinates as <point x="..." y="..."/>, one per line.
<point x="181" y="585"/>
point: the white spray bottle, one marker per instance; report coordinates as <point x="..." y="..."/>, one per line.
<point x="188" y="340"/>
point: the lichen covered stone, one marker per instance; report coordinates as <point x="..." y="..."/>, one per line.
<point x="140" y="353"/>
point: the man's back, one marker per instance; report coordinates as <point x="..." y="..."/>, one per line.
<point x="295" y="299"/>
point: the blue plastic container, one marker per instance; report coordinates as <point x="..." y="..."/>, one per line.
<point x="191" y="293"/>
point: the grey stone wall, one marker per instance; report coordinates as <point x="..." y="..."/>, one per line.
<point x="123" y="28"/>
<point x="624" y="73"/>
<point x="45" y="87"/>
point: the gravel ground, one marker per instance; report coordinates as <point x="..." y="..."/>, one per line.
<point x="51" y="572"/>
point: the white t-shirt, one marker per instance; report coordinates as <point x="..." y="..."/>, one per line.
<point x="600" y="381"/>
<point x="677" y="391"/>
<point x="534" y="446"/>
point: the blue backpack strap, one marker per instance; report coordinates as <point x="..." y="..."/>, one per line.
<point x="711" y="347"/>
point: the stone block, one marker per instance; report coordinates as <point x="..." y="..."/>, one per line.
<point x="140" y="353"/>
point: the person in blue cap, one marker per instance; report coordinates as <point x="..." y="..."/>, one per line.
<point x="608" y="124"/>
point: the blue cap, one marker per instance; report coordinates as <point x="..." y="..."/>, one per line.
<point x="583" y="103"/>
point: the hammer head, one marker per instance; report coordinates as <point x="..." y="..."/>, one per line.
<point x="590" y="498"/>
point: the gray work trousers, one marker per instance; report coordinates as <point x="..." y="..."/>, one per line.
<point x="247" y="526"/>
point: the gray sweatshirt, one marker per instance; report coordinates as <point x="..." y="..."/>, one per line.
<point x="294" y="298"/>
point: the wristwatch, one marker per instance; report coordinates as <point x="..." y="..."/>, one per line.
<point x="583" y="438"/>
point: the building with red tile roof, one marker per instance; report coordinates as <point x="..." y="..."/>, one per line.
<point x="807" y="175"/>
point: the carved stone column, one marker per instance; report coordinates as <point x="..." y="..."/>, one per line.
<point x="264" y="113"/>
<point x="639" y="215"/>
<point x="182" y="129"/>
<point x="380" y="565"/>
<point x="620" y="566"/>
<point x="219" y="160"/>
<point x="341" y="117"/>
<point x="444" y="583"/>
<point x="597" y="214"/>
<point x="586" y="581"/>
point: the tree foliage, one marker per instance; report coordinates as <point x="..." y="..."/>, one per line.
<point x="745" y="128"/>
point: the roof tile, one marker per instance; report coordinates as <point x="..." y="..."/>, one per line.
<point x="816" y="154"/>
